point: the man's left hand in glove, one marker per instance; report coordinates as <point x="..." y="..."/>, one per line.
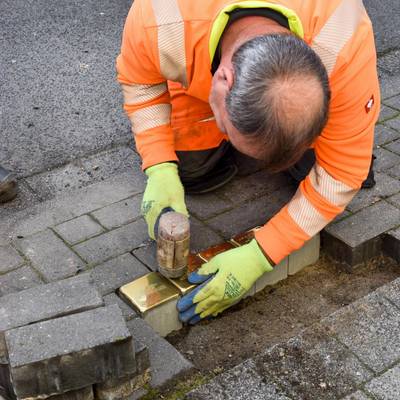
<point x="224" y="280"/>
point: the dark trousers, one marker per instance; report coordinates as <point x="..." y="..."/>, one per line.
<point x="206" y="170"/>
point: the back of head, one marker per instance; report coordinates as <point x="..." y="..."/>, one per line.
<point x="280" y="97"/>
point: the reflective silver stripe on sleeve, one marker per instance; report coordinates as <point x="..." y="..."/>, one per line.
<point x="305" y="214"/>
<point x="171" y="40"/>
<point x="150" y="117"/>
<point x="137" y="94"/>
<point x="336" y="192"/>
<point x="337" y="31"/>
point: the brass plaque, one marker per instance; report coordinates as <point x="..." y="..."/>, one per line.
<point x="208" y="254"/>
<point x="149" y="291"/>
<point x="244" y="238"/>
<point x="182" y="285"/>
<point x="194" y="263"/>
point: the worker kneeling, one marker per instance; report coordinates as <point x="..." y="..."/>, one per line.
<point x="291" y="83"/>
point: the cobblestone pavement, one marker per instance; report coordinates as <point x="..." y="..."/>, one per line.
<point x="82" y="218"/>
<point x="76" y="227"/>
<point x="354" y="354"/>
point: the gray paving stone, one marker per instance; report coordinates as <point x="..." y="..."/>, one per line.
<point x="358" y="238"/>
<point x="114" y="273"/>
<point x="393" y="102"/>
<point x="251" y="214"/>
<point x="356" y="396"/>
<point x="394" y="124"/>
<point x="242" y="189"/>
<point x="385" y="159"/>
<point x="395" y="200"/>
<point x="127" y="312"/>
<point x="120" y="213"/>
<point x="387" y="113"/>
<point x="384" y="134"/>
<point x="53" y="300"/>
<point x="391" y="291"/>
<point x="50" y="256"/>
<point x="201" y="236"/>
<point x="19" y="279"/>
<point x="389" y="84"/>
<point x="205" y="206"/>
<point x="70" y="353"/>
<point x="148" y="255"/>
<point x="389" y="62"/>
<point x="9" y="259"/>
<point x="312" y="366"/>
<point x="385" y="186"/>
<point x="393" y="146"/>
<point x="113" y="243"/>
<point x="341" y="216"/>
<point x="78" y="229"/>
<point x="167" y="364"/>
<point x="68" y="206"/>
<point x="240" y="383"/>
<point x="370" y="328"/>
<point x="386" y="386"/>
<point x="394" y="171"/>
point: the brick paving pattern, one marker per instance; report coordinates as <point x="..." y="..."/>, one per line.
<point x="95" y="230"/>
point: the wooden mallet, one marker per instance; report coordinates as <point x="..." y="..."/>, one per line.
<point x="173" y="244"/>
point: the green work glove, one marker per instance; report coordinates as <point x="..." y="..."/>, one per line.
<point x="164" y="190"/>
<point x="225" y="279"/>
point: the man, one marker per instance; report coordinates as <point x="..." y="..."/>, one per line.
<point x="8" y="185"/>
<point x="272" y="79"/>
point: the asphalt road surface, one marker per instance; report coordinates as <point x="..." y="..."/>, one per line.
<point x="59" y="99"/>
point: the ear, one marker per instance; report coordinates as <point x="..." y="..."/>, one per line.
<point x="227" y="75"/>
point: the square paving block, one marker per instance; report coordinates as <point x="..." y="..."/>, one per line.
<point x="155" y="298"/>
<point x="279" y="273"/>
<point x="305" y="256"/>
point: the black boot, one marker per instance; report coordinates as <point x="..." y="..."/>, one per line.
<point x="370" y="181"/>
<point x="8" y="185"/>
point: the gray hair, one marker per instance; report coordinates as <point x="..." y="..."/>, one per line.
<point x="263" y="103"/>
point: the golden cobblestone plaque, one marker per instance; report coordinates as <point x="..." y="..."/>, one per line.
<point x="211" y="252"/>
<point x="149" y="291"/>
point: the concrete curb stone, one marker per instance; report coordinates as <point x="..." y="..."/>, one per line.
<point x="48" y="301"/>
<point x="70" y="353"/>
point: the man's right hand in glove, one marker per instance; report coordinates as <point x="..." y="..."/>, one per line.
<point x="164" y="190"/>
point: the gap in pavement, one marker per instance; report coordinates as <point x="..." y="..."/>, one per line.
<point x="279" y="312"/>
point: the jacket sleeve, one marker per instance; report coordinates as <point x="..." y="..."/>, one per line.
<point x="343" y="154"/>
<point x="145" y="90"/>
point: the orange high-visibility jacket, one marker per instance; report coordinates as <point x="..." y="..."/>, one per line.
<point x="164" y="70"/>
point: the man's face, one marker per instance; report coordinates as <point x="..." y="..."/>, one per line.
<point x="219" y="90"/>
